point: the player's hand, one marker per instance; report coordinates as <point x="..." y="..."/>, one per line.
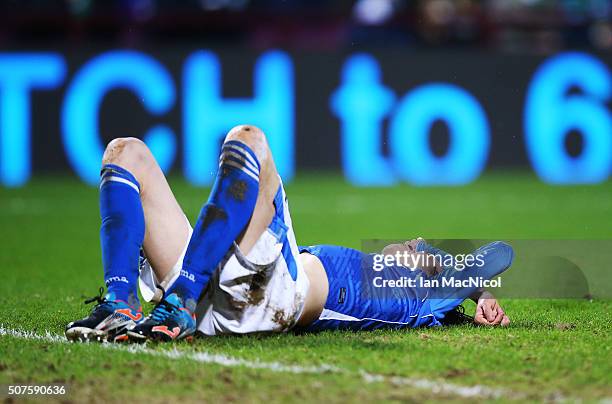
<point x="427" y="262"/>
<point x="431" y="266"/>
<point x="489" y="312"/>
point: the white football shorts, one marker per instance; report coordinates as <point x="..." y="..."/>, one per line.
<point x="264" y="291"/>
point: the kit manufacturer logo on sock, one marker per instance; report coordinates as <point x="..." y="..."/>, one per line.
<point x="187" y="275"/>
<point x="116" y="279"/>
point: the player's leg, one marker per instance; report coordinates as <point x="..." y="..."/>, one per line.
<point x="259" y="217"/>
<point x="239" y="209"/>
<point x="166" y="230"/>
<point x="137" y="209"/>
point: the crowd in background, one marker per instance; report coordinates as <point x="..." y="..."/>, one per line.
<point x="509" y="25"/>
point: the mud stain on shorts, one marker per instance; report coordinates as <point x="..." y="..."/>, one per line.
<point x="287" y="319"/>
<point x="238" y="305"/>
<point x="256" y="292"/>
<point x="283" y="319"/>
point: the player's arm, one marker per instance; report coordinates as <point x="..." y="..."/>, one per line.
<point x="426" y="262"/>
<point x="488" y="310"/>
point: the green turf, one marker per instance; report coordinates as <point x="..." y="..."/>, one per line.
<point x="50" y="258"/>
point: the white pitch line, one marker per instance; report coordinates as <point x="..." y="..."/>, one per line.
<point x="203" y="357"/>
<point x="433" y="386"/>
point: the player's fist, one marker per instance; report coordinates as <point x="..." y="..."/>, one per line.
<point x="489" y="312"/>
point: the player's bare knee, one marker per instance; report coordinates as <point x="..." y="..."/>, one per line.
<point x="256" y="140"/>
<point x="253" y="137"/>
<point x="128" y="152"/>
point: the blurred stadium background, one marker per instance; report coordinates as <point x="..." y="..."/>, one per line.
<point x="542" y="26"/>
<point x="425" y="92"/>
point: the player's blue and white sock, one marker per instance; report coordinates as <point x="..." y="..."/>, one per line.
<point x="222" y="219"/>
<point x="122" y="231"/>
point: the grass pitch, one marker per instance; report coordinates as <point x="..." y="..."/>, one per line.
<point x="554" y="349"/>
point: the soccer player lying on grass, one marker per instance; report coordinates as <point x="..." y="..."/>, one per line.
<point x="240" y="270"/>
